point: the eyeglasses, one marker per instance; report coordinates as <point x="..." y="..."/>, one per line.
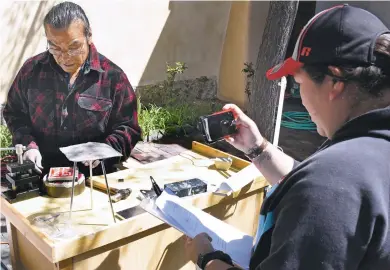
<point x="71" y="52"/>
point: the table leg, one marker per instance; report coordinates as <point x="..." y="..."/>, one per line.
<point x="91" y="182"/>
<point x="71" y="198"/>
<point x="108" y="189"/>
<point x="13" y="246"/>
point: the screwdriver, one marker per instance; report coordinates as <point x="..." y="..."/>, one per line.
<point x="155" y="187"/>
<point x="121" y="195"/>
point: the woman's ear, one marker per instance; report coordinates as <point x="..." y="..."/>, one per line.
<point x="338" y="85"/>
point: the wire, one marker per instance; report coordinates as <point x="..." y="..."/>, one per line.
<point x="297" y="120"/>
<point x="193" y="162"/>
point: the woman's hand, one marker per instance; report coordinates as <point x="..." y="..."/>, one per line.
<point x="248" y="135"/>
<point x="35" y="156"/>
<point x="95" y="163"/>
<point x="200" y="244"/>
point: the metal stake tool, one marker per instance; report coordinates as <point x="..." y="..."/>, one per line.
<point x="91" y="182"/>
<point x="71" y="198"/>
<point x="108" y="189"/>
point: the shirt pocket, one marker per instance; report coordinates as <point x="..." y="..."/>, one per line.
<point x="41" y="107"/>
<point x="93" y="113"/>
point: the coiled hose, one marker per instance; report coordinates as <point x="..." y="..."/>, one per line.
<point x="297" y="120"/>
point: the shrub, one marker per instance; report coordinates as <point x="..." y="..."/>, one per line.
<point x="5" y="140"/>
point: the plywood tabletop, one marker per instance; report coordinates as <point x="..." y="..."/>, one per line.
<point x="46" y="218"/>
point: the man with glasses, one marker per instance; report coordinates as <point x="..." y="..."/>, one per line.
<point x="71" y="94"/>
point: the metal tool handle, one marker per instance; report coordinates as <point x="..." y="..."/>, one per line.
<point x="19" y="148"/>
<point x="7" y="149"/>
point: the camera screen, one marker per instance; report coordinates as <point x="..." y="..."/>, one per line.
<point x="219" y="125"/>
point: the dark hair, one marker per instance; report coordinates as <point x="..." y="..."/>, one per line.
<point x="369" y="79"/>
<point x="62" y="15"/>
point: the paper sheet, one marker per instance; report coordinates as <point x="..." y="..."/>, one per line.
<point x="150" y="206"/>
<point x="89" y="151"/>
<point x="191" y="221"/>
<point x="238" y="180"/>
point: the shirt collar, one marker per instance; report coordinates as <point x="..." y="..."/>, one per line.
<point x="93" y="60"/>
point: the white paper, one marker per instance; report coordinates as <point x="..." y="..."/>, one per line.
<point x="192" y="221"/>
<point x="238" y="180"/>
<point x="150" y="206"/>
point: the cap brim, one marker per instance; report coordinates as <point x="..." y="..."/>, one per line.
<point x="288" y="67"/>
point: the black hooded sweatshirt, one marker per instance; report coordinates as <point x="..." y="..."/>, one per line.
<point x="332" y="210"/>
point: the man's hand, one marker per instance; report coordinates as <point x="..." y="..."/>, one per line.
<point x="248" y="135"/>
<point x="35" y="156"/>
<point x="95" y="163"/>
<point x="200" y="244"/>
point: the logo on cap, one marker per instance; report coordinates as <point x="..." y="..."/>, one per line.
<point x="305" y="51"/>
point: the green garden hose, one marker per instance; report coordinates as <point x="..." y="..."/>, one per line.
<point x="297" y="120"/>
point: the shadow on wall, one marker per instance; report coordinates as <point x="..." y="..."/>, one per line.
<point x="24" y="23"/>
<point x="194" y="33"/>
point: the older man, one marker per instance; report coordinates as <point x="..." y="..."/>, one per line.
<point x="71" y="94"/>
<point x="331" y="211"/>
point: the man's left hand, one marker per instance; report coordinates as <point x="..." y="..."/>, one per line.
<point x="95" y="163"/>
<point x="200" y="244"/>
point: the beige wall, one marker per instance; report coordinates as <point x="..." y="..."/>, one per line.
<point x="193" y="33"/>
<point x="231" y="79"/>
<point x="138" y="35"/>
<point x="243" y="37"/>
<point x="21" y="37"/>
<point x="380" y="8"/>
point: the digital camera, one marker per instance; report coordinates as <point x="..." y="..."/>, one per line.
<point x="217" y="126"/>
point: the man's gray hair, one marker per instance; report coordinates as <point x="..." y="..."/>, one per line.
<point x="62" y="15"/>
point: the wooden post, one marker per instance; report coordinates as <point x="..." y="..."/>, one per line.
<point x="265" y="94"/>
<point x="13" y="246"/>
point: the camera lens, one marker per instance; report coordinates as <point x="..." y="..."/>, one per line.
<point x="225" y="123"/>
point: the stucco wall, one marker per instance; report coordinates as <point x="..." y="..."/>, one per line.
<point x="243" y="38"/>
<point x="139" y="36"/>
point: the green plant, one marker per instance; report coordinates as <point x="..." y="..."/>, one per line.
<point x="172" y="71"/>
<point x="172" y="119"/>
<point x="5" y="140"/>
<point x="178" y="116"/>
<point x="250" y="72"/>
<point x="173" y="114"/>
<point x="169" y="95"/>
<point x="151" y="118"/>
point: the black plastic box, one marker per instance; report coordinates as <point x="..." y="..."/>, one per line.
<point x="186" y="187"/>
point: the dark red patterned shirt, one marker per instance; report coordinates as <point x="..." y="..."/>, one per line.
<point x="43" y="111"/>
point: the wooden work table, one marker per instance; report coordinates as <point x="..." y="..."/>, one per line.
<point x="42" y="238"/>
